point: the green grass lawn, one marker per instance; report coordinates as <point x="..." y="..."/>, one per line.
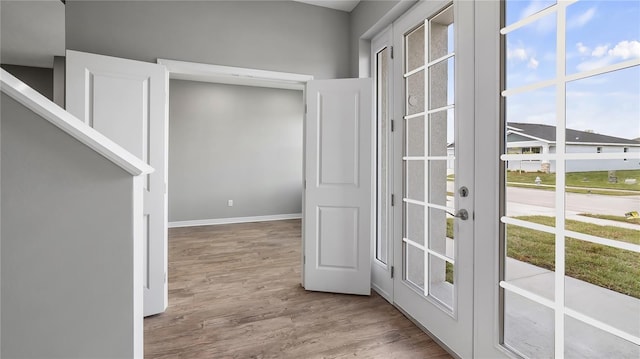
<point x="595" y="179"/>
<point x="612" y="218"/>
<point x="608" y="267"/>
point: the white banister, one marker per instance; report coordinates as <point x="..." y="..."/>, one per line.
<point x="77" y="129"/>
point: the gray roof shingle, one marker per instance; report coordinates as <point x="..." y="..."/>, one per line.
<point x="548" y="133"/>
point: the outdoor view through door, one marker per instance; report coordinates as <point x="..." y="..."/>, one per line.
<point x="571" y="250"/>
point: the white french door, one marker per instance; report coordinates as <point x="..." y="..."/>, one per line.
<point x="126" y="101"/>
<point x="434" y="169"/>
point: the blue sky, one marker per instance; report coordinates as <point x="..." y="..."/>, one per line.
<point x="599" y="33"/>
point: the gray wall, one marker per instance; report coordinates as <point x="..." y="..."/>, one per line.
<point x="269" y="35"/>
<point x="233" y="142"/>
<point x="67" y="283"/>
<point x="366" y="21"/>
<point x="38" y="78"/>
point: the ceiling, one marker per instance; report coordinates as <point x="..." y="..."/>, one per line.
<point x="344" y="5"/>
<point x="32" y="32"/>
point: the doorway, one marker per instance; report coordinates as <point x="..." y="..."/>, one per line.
<point x="232" y="91"/>
<point x="424" y="66"/>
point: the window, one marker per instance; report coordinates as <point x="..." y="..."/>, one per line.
<point x="530" y="150"/>
<point x="566" y="77"/>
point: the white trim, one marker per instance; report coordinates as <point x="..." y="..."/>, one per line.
<point x="216" y="221"/>
<point x="413" y="243"/>
<point x="603" y="326"/>
<point x="604" y="144"/>
<point x="431" y="158"/>
<point x="439" y="109"/>
<point x="572" y="234"/>
<point x="193" y="71"/>
<point x="441" y="59"/>
<point x="570" y="312"/>
<point x="561" y="130"/>
<point x="573" y="156"/>
<point x="415" y="115"/>
<point x="441" y="256"/>
<point x="572" y="77"/>
<point x="517" y="132"/>
<point x="68" y="123"/>
<point x="528" y="294"/>
<point x="414" y="71"/>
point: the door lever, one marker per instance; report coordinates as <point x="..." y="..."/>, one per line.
<point x="462" y="214"/>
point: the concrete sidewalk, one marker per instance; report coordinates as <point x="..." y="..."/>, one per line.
<point x="531" y="323"/>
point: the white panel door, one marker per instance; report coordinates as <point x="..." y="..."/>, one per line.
<point x="338" y="208"/>
<point x="126" y="101"/>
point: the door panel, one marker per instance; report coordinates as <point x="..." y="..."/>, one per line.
<point x="338" y="177"/>
<point x="433" y="243"/>
<point x="126" y="101"/>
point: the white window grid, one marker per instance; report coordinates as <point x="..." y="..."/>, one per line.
<point x="426" y="158"/>
<point x="558" y="304"/>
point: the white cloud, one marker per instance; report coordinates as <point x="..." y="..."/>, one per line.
<point x="517" y="54"/>
<point x="582" y="49"/>
<point x="603" y="56"/>
<point x="626" y="50"/>
<point x="521" y="54"/>
<point x="600" y="51"/>
<point x="582" y="19"/>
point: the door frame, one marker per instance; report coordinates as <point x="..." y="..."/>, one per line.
<point x="382" y="273"/>
<point x="487" y="306"/>
<point x="195" y="71"/>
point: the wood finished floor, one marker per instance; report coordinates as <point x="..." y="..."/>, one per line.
<point x="234" y="292"/>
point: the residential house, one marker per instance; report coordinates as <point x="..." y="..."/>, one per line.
<point x="533" y="138"/>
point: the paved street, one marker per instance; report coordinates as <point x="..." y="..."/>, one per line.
<point x="575" y="202"/>
<point x="527" y="202"/>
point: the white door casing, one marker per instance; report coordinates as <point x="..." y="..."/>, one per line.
<point x="382" y="245"/>
<point x="339" y="179"/>
<point x="126" y="101"/>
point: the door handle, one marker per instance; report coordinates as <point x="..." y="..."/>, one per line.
<point x="463" y="214"/>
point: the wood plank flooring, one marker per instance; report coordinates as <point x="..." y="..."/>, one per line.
<point x="234" y="292"/>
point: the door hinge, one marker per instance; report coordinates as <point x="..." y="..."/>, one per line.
<point x="393" y="200"/>
<point x="393" y="125"/>
<point x="304" y="259"/>
<point x="392" y="271"/>
<point x="305" y="108"/>
<point x="391" y="52"/>
<point x="304" y="184"/>
<point x="165" y="277"/>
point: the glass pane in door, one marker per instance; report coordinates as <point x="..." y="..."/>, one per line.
<point x="382" y="114"/>
<point x="429" y="159"/>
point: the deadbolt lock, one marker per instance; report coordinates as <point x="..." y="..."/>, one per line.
<point x="464" y="191"/>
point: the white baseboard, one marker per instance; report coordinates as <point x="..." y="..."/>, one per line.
<point x="211" y="222"/>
